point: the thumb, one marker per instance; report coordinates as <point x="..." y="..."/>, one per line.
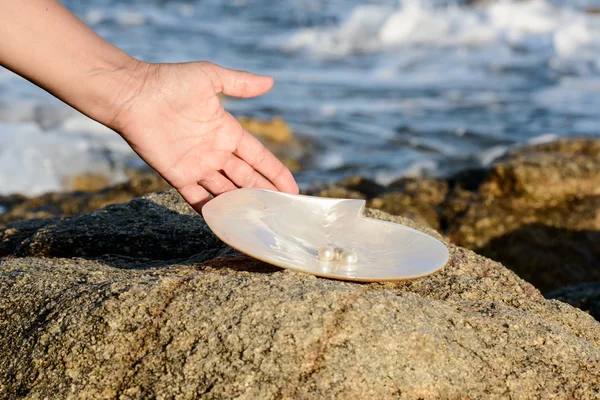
<point x="241" y="83"/>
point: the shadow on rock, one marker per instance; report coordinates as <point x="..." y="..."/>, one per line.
<point x="139" y="234"/>
<point x="585" y="296"/>
<point x="531" y="249"/>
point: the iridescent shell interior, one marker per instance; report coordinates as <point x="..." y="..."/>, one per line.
<point x="287" y="231"/>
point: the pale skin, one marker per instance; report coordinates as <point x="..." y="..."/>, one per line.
<point x="169" y="114"/>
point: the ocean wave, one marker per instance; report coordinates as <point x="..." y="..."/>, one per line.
<point x="537" y="26"/>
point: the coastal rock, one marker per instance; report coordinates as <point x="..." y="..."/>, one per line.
<point x="167" y="311"/>
<point x="548" y="173"/>
<point x="417" y="199"/>
<point x="79" y="202"/>
<point x="538" y="212"/>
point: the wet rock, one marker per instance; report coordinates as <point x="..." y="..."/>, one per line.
<point x="192" y="319"/>
<point x="362" y="185"/>
<point x="585" y="297"/>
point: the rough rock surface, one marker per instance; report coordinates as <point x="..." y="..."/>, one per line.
<point x="174" y="313"/>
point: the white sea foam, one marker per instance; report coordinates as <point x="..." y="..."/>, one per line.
<point x="535" y="24"/>
<point x="488" y="156"/>
<point x="34" y="161"/>
<point x="545" y="138"/>
<point x="416" y="169"/>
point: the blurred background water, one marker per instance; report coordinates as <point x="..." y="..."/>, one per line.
<point x="385" y="88"/>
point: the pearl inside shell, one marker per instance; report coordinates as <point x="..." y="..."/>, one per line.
<point x="349" y="257"/>
<point x="326" y="253"/>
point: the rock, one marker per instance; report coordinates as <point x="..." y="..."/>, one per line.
<point x="275" y="130"/>
<point x="585" y="297"/>
<point x="417" y="199"/>
<point x="548" y="173"/>
<point x="88" y="183"/>
<point x="139" y="228"/>
<point x="168" y="311"/>
<point x="537" y="212"/>
<point x="74" y="203"/>
<point x="362" y="185"/>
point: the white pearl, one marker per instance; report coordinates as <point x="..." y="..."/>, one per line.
<point x="349" y="257"/>
<point x="326" y="253"/>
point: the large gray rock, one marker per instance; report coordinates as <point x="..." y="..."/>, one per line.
<point x="176" y="314"/>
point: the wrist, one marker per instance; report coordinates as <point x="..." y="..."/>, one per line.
<point x="114" y="87"/>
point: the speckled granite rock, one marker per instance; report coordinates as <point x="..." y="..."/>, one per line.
<point x="180" y="315"/>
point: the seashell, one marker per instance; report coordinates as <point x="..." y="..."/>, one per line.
<point x="290" y="230"/>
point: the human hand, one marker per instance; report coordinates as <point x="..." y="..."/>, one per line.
<point x="168" y="113"/>
<point x="175" y="122"/>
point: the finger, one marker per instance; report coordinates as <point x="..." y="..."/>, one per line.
<point x="195" y="195"/>
<point x="216" y="183"/>
<point x="251" y="150"/>
<point x="241" y="83"/>
<point x="243" y="175"/>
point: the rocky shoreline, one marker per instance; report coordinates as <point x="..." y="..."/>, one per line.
<point x="139" y="299"/>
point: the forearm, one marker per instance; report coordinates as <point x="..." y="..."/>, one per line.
<point x="48" y="45"/>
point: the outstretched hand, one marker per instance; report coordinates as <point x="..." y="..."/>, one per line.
<point x="175" y="122"/>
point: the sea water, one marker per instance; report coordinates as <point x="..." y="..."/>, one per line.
<point x="383" y="88"/>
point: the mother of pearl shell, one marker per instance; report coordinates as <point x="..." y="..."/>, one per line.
<point x="287" y="230"/>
